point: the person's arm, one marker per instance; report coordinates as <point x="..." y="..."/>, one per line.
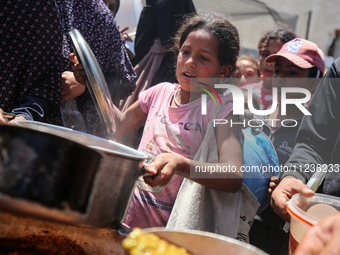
<point x="230" y="153"/>
<point x="315" y="142"/>
<point x="318" y="132"/>
<point x="131" y="119"/>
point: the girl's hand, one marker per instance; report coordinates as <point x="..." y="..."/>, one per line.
<point x="165" y="166"/>
<point x="78" y="69"/>
<point x="70" y="87"/>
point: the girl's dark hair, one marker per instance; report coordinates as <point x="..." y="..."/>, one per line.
<point x="282" y="33"/>
<point x="218" y="25"/>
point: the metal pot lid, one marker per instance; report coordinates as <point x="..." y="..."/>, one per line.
<point x="96" y="82"/>
<point x="94" y="142"/>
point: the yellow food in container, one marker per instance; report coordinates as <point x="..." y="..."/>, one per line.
<point x="139" y="243"/>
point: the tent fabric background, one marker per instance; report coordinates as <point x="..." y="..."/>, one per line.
<point x="246" y="9"/>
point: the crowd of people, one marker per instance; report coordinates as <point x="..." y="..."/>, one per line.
<point x="158" y="92"/>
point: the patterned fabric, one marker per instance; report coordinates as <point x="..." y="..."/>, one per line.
<point x="97" y="25"/>
<point x="30" y="53"/>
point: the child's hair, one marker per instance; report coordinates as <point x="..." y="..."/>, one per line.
<point x="282" y="33"/>
<point x="251" y="59"/>
<point x="218" y="25"/>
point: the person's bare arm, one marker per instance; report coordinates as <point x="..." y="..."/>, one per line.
<point x="130" y="120"/>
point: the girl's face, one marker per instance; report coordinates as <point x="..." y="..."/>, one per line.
<point x="267" y="69"/>
<point x="198" y="58"/>
<point x="246" y="73"/>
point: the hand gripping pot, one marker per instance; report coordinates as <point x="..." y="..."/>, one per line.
<point x="116" y="178"/>
<point x="44" y="175"/>
<point x="260" y="162"/>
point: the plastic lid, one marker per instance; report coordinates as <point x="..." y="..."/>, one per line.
<point x="301" y="215"/>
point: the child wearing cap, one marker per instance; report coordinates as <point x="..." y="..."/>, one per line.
<point x="317" y="143"/>
<point x="270" y="43"/>
<point x="299" y="64"/>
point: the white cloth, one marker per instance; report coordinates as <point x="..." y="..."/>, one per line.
<point x="200" y="208"/>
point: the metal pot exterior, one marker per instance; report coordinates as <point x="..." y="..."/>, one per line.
<point x="116" y="178"/>
<point x="205" y="243"/>
<point x="113" y="190"/>
<point x="46" y="169"/>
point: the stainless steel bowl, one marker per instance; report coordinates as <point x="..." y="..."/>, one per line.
<point x="205" y="243"/>
<point x="116" y="178"/>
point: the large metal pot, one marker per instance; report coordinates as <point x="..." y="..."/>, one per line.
<point x="116" y="178"/>
<point x="39" y="171"/>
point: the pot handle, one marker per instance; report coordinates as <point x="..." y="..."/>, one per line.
<point x="145" y="172"/>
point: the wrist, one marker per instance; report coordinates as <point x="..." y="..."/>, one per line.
<point x="182" y="166"/>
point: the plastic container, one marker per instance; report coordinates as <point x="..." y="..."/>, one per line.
<point x="308" y="212"/>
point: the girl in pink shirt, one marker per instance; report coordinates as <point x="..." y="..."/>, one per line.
<point x="207" y="46"/>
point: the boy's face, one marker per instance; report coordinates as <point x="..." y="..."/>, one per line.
<point x="288" y="74"/>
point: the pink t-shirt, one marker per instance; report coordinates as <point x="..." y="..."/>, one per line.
<point x="178" y="130"/>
